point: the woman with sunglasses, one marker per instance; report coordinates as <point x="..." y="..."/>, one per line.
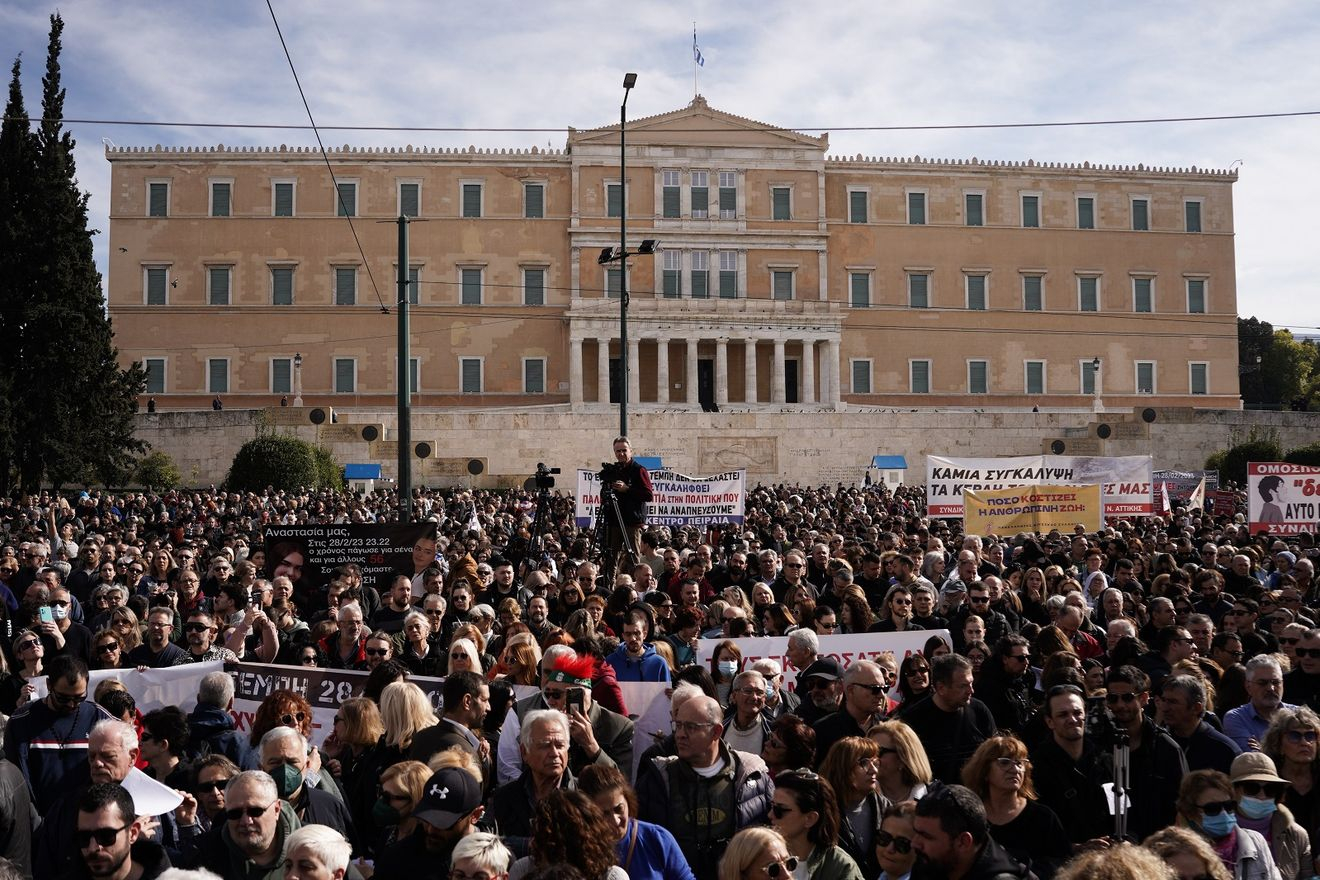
<point x="390" y="817"/>
<point x="805" y="811"/>
<point x="791" y="743"/>
<point x="903" y="769"/>
<point x="1291" y="743"/>
<point x="999" y="771"/>
<point x="125" y="624"/>
<point x="1207" y="805"/>
<point x="913" y="681"/>
<point x="29" y="655"/>
<point x="893" y="843"/>
<point x="852" y="770"/>
<point x="757" y="853"/>
<point x="463" y="657"/>
<point x="1258" y="790"/>
<point x="107" y="652"/>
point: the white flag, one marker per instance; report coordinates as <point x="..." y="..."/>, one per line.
<point x="1164" y="498"/>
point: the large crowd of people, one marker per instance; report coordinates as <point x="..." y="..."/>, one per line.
<point x="1165" y="668"/>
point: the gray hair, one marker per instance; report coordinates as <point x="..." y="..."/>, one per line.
<point x="325" y="843"/>
<point x="216" y="689"/>
<point x="416" y="615"/>
<point x="486" y="850"/>
<point x="804" y="637"/>
<point x="1263" y="661"/>
<point x="551" y="717"/>
<point x="767" y="666"/>
<point x="113" y="727"/>
<point x="684" y="692"/>
<point x="1123" y="624"/>
<point x="344" y="609"/>
<point x="277" y="735"/>
<point x="1054" y="603"/>
<point x="745" y="676"/>
<point x="554" y="652"/>
<point x="1189" y="685"/>
<point x="853" y="672"/>
<point x="257" y="779"/>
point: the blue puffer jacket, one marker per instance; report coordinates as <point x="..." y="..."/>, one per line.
<point x="648" y="667"/>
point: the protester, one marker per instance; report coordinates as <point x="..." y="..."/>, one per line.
<point x="804" y="810"/>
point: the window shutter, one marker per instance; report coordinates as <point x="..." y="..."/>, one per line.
<point x="1032" y="301"/>
<point x="614" y="200"/>
<point x="1086" y="213"/>
<point x="672" y="284"/>
<point x="782" y="203"/>
<point x="1031" y="211"/>
<point x="861" y="290"/>
<point x="534" y="287"/>
<point x="1145" y="378"/>
<point x="1195" y="296"/>
<point x="345" y="286"/>
<point x="700" y="284"/>
<point x="284" y="200"/>
<point x="281" y="376"/>
<point x="1088" y="377"/>
<point x="976" y="377"/>
<point x="783" y="285"/>
<point x="155" y="375"/>
<point x="344" y="378"/>
<point x="414" y="284"/>
<point x="471" y="200"/>
<point x="728" y="202"/>
<point x="1035" y="377"/>
<point x="347" y="200"/>
<point x="534" y="376"/>
<point x="1141" y="299"/>
<point x="219" y="200"/>
<point x="410" y="197"/>
<point x="281" y="285"/>
<point x="700" y="201"/>
<point x="857" y="207"/>
<point x="975" y="209"/>
<point x="160" y="200"/>
<point x="471" y="370"/>
<point x="921" y="377"/>
<point x="919" y="291"/>
<point x="534" y="201"/>
<point x="671" y="205"/>
<point x="976" y="292"/>
<point x="917" y="209"/>
<point x="1140" y="215"/>
<point x="614" y="283"/>
<point x="728" y="284"/>
<point x="414" y="375"/>
<point x="1089" y="302"/>
<point x="1192" y="216"/>
<point x="471" y="287"/>
<point x="156" y="286"/>
<point x="218" y="376"/>
<point x="1199" y="379"/>
<point x="219" y="286"/>
<point x="861" y="377"/>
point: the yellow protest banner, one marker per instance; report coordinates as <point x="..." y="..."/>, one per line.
<point x="1031" y="509"/>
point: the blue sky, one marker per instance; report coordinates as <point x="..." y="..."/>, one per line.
<point x="559" y="63"/>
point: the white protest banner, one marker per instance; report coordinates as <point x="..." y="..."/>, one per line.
<point x="151" y="688"/>
<point x="844" y="648"/>
<point x="1125" y="481"/>
<point x="679" y="500"/>
<point x="1282" y="498"/>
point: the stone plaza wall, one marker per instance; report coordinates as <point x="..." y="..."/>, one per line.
<point x="806" y="447"/>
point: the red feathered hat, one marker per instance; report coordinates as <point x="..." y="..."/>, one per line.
<point x="574" y="670"/>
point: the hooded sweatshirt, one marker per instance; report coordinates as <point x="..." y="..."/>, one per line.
<point x="648" y="667"/>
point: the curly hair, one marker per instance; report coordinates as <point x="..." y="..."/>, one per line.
<point x="976" y="772"/>
<point x="569" y="827"/>
<point x="272" y="710"/>
<point x="1168" y="842"/>
<point x="1301" y="718"/>
<point x="1122" y="862"/>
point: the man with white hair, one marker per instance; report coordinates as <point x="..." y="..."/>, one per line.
<point x="1116" y="630"/>
<point x="211" y="727"/>
<point x="777" y="700"/>
<point x="746" y="727"/>
<point x="284" y="757"/>
<point x="803" y="648"/>
<point x="543" y="742"/>
<point x="316" y="851"/>
<point x="1246" y="725"/>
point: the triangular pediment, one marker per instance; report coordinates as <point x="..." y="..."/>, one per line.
<point x="699" y="124"/>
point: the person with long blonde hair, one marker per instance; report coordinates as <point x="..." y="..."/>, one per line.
<point x="404" y="710"/>
<point x="904" y="770"/>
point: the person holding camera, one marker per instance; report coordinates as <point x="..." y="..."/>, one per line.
<point x="631" y="483"/>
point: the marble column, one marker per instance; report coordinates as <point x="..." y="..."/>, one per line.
<point x="603" y="371"/>
<point x="721" y="372"/>
<point x="691" y="377"/>
<point x="808" y="395"/>
<point x="777" y="390"/>
<point x="575" y="373"/>
<point x="662" y="370"/>
<point x="832" y="355"/>
<point x="634" y="371"/>
<point x="749" y="370"/>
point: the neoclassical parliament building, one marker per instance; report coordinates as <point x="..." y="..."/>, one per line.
<point x="785" y="277"/>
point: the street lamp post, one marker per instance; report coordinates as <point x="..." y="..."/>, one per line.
<point x="1097" y="404"/>
<point x="297" y="379"/>
<point x="629" y="80"/>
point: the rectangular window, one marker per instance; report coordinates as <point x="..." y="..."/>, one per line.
<point x="345" y="285"/>
<point x="217" y="285"/>
<point x="1030" y="211"/>
<point x="978" y="377"/>
<point x="1142" y="297"/>
<point x="700" y="195"/>
<point x="345" y="376"/>
<point x="220" y="198"/>
<point x="534" y="201"/>
<point x="976" y="293"/>
<point x="470" y="285"/>
<point x="347" y="206"/>
<point x="1085" y="212"/>
<point x="672" y="274"/>
<point x="217" y="375"/>
<point x="614" y="283"/>
<point x="534" y="375"/>
<point x="781" y="284"/>
<point x="613" y="200"/>
<point x="700" y="275"/>
<point x="1141" y="214"/>
<point x="281" y="375"/>
<point x="281" y="285"/>
<point x="533" y="287"/>
<point x="1088" y="294"/>
<point x="156" y="282"/>
<point x="1196" y="296"/>
<point x="1033" y="295"/>
<point x="919" y="290"/>
<point x="974" y="209"/>
<point x="728" y="195"/>
<point x="414" y="285"/>
<point x="919" y="377"/>
<point x="728" y="275"/>
<point x="1192" y="216"/>
<point x="1145" y="377"/>
<point x="859" y="290"/>
<point x="410" y="199"/>
<point x="1035" y="377"/>
<point x="158" y="200"/>
<point x="1088" y="376"/>
<point x="781" y="200"/>
<point x="1199" y="378"/>
<point x="472" y="199"/>
<point x="861" y="377"/>
<point x="414" y="375"/>
<point x="155" y="368"/>
<point x="469" y="370"/>
<point x="671" y="195"/>
<point x="282" y="199"/>
<point x="857" y="205"/>
<point x="916" y="208"/>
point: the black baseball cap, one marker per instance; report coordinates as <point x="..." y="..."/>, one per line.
<point x="825" y="667"/>
<point x="450" y="794"/>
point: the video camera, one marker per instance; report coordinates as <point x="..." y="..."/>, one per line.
<point x="545" y="476"/>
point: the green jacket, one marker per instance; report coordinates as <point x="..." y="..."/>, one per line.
<point x="240" y="866"/>
<point x="832" y="863"/>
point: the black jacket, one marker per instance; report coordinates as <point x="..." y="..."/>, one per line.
<point x="149" y="856"/>
<point x="992" y="863"/>
<point x="633" y="502"/>
<point x="1072" y="789"/>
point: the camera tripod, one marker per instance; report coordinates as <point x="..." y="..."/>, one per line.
<point x="609" y="522"/>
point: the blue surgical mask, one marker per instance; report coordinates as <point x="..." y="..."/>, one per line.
<point x="1257" y="808"/>
<point x="1220" y="825"/>
<point x="769" y="692"/>
<point x="727" y="667"/>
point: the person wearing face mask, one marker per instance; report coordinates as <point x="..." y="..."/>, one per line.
<point x="61" y="635"/>
<point x="1259" y="789"/>
<point x="400" y="790"/>
<point x="1207" y="804"/>
<point x="284" y="756"/>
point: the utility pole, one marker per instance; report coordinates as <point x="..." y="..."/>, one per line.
<point x="404" y="431"/>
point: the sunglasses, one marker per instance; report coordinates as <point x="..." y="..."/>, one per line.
<point x="69" y="699"/>
<point x="458" y="655"/>
<point x="1256" y="789"/>
<point x="1289" y="641"/>
<point x="196" y="627"/>
<point x="377" y="652"/>
<point x="1300" y="736"/>
<point x="251" y="812"/>
<point x="875" y="690"/>
<point x="782" y="868"/>
<point x="1307" y="652"/>
<point x="215" y="785"/>
<point x="779" y="811"/>
<point x="884" y="839"/>
<point x="107" y="648"/>
<point x="32" y="643"/>
<point x="288" y="718"/>
<point x="1214" y="808"/>
<point x="103" y="836"/>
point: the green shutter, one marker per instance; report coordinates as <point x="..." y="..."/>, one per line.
<point x="344" y="378"/>
<point x="219" y="200"/>
<point x="728" y="284"/>
<point x="1031" y="211"/>
<point x="671" y="197"/>
<point x="861" y="290"/>
<point x="471" y="287"/>
<point x="471" y="200"/>
<point x="1089" y="301"/>
<point x="1086" y="213"/>
<point x="534" y="287"/>
<point x="783" y="285"/>
<point x="673" y="283"/>
<point x="1145" y="378"/>
<point x="1032" y="301"/>
<point x="217" y="376"/>
<point x="347" y="200"/>
<point x="1195" y="296"/>
<point x="782" y="203"/>
<point x="414" y="375"/>
<point x="414" y="284"/>
<point x="976" y="377"/>
<point x="534" y="376"/>
<point x="861" y="377"/>
<point x="471" y="375"/>
<point x="857" y="206"/>
<point x="1088" y="377"/>
<point x="1140" y="215"/>
<point x="155" y="375"/>
<point x="917" y="209"/>
<point x="281" y="376"/>
<point x="919" y="291"/>
<point x="345" y="286"/>
<point x="1199" y="379"/>
<point x="1141" y="298"/>
<point x="1192" y="216"/>
<point x="281" y="285"/>
<point x="284" y="200"/>
<point x="975" y="209"/>
<point x="156" y="286"/>
<point x="976" y="292"/>
<point x="534" y="201"/>
<point x="728" y="202"/>
<point x="700" y="201"/>
<point x="1035" y="377"/>
<point x="920" y="377"/>
<point x="160" y="200"/>
<point x="219" y="285"/>
<point x="410" y="199"/>
<point x="614" y="200"/>
<point x="700" y="284"/>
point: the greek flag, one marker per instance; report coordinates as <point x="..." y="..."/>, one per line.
<point x="696" y="53"/>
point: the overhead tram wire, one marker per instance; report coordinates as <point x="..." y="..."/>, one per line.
<point x="326" y="156"/>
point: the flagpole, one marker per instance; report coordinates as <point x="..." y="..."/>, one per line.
<point x="694" y="61"/>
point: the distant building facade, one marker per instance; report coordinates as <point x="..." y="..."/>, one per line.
<point x="785" y="278"/>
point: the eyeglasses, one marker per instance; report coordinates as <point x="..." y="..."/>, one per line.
<point x="377" y="652"/>
<point x="1301" y="736"/>
<point x="196" y="627"/>
<point x="1308" y="652"/>
<point x="794" y="565"/>
<point x="903" y="845"/>
<point x="103" y="836"/>
<point x="1288" y="641"/>
<point x="251" y="812"/>
<point x="751" y="692"/>
<point x="828" y="625"/>
<point x="1113" y="699"/>
<point x="782" y="867"/>
<point x="68" y="699"/>
<point x="979" y="600"/>
<point x="214" y="785"/>
<point x="1005" y="763"/>
<point x="107" y="648"/>
<point x="288" y="718"/>
<point x="691" y="726"/>
<point x="1214" y="808"/>
<point x="876" y="690"/>
<point x="780" y="810"/>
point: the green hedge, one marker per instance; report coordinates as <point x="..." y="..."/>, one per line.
<point x="282" y="462"/>
<point x="157" y="470"/>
